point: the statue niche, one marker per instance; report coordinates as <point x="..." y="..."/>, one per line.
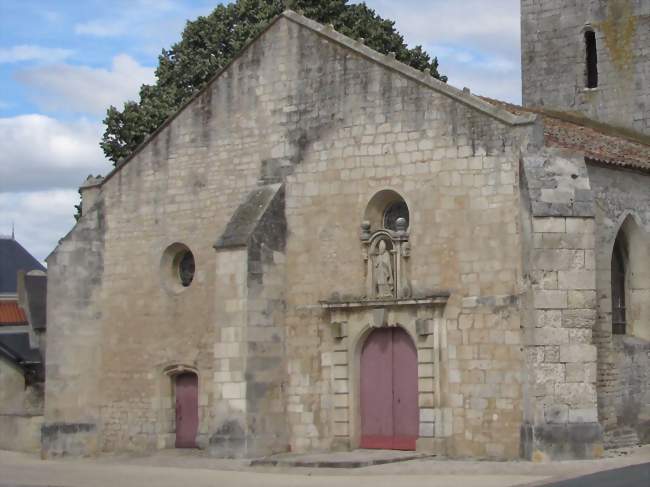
<point x="383" y="277"/>
<point x="385" y="253"/>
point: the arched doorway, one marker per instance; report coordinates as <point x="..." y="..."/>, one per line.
<point x="389" y="391"/>
<point x="187" y="409"/>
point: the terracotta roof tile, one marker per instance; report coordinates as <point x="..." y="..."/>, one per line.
<point x="11" y="314"/>
<point x="598" y="141"/>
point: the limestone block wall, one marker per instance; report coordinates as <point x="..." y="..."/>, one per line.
<point x="12" y="388"/>
<point x="21" y="432"/>
<point x="230" y="406"/>
<point x="554" y="59"/>
<point x="458" y="173"/>
<point x="250" y="373"/>
<point x="562" y="418"/>
<point x="623" y="387"/>
<point x="337" y="127"/>
<point x="72" y="394"/>
<point x="181" y="187"/>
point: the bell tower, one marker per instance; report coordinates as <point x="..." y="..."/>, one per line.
<point x="588" y="56"/>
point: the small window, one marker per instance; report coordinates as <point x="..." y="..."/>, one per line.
<point x="177" y="268"/>
<point x="618" y="288"/>
<point x="186" y="268"/>
<point x="393" y="212"/>
<point x="592" y="59"/>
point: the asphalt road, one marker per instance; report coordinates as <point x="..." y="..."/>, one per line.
<point x="174" y="469"/>
<point x="634" y="476"/>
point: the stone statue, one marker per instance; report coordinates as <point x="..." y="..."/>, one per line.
<point x="384" y="283"/>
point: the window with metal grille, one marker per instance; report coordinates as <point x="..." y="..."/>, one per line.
<point x="592" y="59"/>
<point x="186" y="268"/>
<point x="394" y="211"/>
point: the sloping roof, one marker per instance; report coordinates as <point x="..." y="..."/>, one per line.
<point x="598" y="141"/>
<point x="247" y="216"/>
<point x="387" y="61"/>
<point x="11" y="314"/>
<point x="14" y="258"/>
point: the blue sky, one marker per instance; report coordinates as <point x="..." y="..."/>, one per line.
<point x="63" y="62"/>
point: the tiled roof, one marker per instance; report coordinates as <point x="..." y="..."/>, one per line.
<point x="596" y="140"/>
<point x="11" y="314"/>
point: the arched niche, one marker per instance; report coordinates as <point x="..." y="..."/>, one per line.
<point x="384" y="209"/>
<point x="386" y="247"/>
<point x="631" y="281"/>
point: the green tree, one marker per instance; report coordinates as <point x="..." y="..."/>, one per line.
<point x="209" y="43"/>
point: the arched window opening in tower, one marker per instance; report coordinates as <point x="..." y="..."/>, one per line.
<point x="592" y="59"/>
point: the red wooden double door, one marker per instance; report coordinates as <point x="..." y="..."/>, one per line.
<point x="389" y="391"/>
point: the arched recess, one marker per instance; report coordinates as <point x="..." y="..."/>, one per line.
<point x="383" y="210"/>
<point x="631" y="281"/>
<point x="388" y="390"/>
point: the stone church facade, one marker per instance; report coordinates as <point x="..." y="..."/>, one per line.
<point x="326" y="249"/>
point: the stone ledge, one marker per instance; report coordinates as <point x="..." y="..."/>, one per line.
<point x="360" y="303"/>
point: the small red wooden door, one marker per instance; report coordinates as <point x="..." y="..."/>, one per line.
<point x="389" y="391"/>
<point x="187" y="410"/>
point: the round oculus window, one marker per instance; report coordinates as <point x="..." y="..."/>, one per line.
<point x="177" y="268"/>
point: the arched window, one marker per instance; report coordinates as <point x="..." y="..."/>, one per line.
<point x="619" y="322"/>
<point x="592" y="59"/>
<point x="630" y="276"/>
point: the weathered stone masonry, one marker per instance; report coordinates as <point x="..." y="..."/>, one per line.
<point x="269" y="177"/>
<point x="554" y="59"/>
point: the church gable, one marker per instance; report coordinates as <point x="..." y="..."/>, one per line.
<point x="266" y="48"/>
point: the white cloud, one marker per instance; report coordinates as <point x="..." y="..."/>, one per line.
<point x="40" y="218"/>
<point x="82" y="89"/>
<point x="100" y="28"/>
<point x="39" y="153"/>
<point x="25" y="52"/>
<point x="477" y="42"/>
<point x="132" y="18"/>
<point x="496" y="23"/>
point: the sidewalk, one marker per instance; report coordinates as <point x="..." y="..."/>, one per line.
<point x="175" y="468"/>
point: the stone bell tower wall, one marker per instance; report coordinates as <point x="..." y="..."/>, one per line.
<point x="554" y="58"/>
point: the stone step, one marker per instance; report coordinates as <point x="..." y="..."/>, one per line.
<point x="620" y="438"/>
<point x="352" y="459"/>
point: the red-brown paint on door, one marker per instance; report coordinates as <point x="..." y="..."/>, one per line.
<point x="187" y="410"/>
<point x="389" y="391"/>
<point x="406" y="413"/>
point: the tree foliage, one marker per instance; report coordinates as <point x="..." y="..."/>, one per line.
<point x="210" y="42"/>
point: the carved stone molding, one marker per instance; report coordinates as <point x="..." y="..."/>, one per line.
<point x="386" y="254"/>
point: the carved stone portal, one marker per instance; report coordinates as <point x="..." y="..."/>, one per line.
<point x="386" y="253"/>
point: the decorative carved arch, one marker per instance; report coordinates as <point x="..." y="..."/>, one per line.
<point x="175" y="369"/>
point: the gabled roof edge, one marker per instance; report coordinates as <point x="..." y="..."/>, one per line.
<point x="390" y="62"/>
<point x="189" y="101"/>
<point x="363" y="50"/>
